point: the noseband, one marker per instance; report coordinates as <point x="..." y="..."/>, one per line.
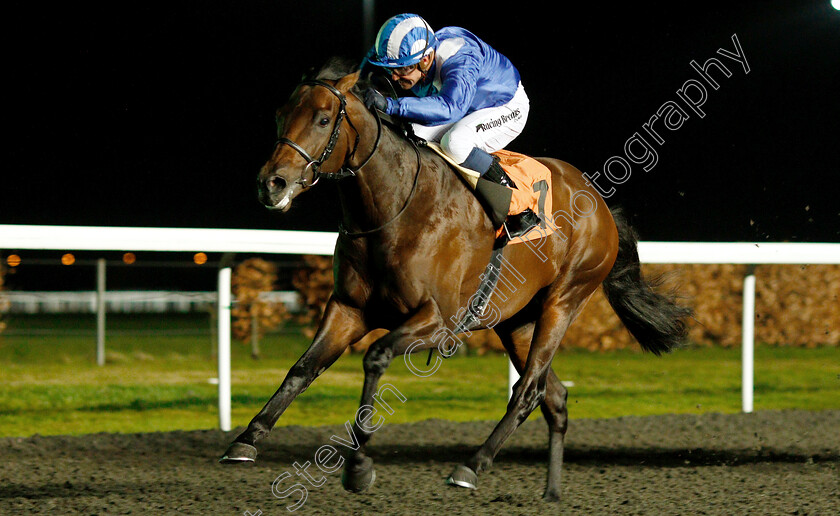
<point x="315" y="164"/>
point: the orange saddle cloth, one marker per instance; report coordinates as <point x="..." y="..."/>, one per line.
<point x="533" y="188"/>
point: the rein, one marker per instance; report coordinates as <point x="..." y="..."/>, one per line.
<point x="357" y="234"/>
<point x="343" y="172"/>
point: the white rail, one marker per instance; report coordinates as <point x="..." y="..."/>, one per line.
<point x="128" y="301"/>
<point x="739" y="253"/>
<point x="82" y="238"/>
<point x="744" y="253"/>
<point x="109" y="238"/>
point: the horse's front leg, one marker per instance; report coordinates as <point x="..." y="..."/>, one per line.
<point x="414" y="335"/>
<point x="341" y="326"/>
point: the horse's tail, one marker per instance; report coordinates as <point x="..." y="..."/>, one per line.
<point x="655" y="320"/>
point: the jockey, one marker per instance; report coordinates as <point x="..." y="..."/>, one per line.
<point x="466" y="96"/>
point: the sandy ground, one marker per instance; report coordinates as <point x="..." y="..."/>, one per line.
<point x="764" y="463"/>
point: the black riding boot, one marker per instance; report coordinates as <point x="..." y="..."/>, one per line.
<point x="498" y="175"/>
<point x="515" y="225"/>
<point x="521" y="223"/>
<point x="494" y="197"/>
<point x="494" y="191"/>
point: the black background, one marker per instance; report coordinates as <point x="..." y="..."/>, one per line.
<point x="160" y="114"/>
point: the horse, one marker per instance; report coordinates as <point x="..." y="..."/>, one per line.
<point x="414" y="242"/>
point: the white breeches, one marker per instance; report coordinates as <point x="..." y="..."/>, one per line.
<point x="489" y="129"/>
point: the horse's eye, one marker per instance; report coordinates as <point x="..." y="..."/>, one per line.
<point x="324" y="122"/>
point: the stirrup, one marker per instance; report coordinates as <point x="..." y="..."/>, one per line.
<point x="518" y="225"/>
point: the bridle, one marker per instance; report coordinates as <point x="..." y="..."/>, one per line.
<point x="315" y="164"/>
<point x="345" y="171"/>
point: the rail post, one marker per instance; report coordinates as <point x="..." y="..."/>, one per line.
<point x="748" y="340"/>
<point x="513" y="377"/>
<point x="223" y="355"/>
<point x="100" y="311"/>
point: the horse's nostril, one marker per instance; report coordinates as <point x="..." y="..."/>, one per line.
<point x="277" y="183"/>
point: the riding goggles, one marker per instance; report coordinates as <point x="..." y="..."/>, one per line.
<point x="402" y="71"/>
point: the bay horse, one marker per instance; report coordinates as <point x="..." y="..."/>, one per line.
<point x="413" y="244"/>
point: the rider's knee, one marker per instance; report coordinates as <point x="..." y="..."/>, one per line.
<point x="457" y="144"/>
<point x="477" y="160"/>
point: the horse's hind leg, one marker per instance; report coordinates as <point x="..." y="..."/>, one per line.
<point x="517" y="341"/>
<point x="555" y="413"/>
<point x="358" y="474"/>
<point x="530" y="390"/>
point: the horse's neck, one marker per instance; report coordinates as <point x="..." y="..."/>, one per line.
<point x="382" y="186"/>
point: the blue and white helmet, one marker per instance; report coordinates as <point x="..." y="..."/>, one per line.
<point x="402" y="41"/>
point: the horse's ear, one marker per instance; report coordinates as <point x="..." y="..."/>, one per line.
<point x="348" y="81"/>
<point x="308" y="74"/>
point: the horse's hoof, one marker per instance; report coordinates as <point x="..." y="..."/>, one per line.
<point x="238" y="453"/>
<point x="463" y="476"/>
<point x="359" y="478"/>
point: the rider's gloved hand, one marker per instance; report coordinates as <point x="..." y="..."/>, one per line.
<point x="374" y="99"/>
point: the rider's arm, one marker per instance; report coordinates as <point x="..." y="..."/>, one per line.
<point x="458" y="85"/>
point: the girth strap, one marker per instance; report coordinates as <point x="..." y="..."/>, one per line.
<point x="478" y="302"/>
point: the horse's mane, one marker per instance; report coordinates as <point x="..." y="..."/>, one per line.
<point x="337" y="67"/>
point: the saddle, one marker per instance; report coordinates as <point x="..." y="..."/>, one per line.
<point x="533" y="188"/>
<point x="532" y="180"/>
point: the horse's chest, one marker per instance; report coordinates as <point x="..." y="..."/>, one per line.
<point x="394" y="283"/>
<point x="396" y="288"/>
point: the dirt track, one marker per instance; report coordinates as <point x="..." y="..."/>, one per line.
<point x="763" y="463"/>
